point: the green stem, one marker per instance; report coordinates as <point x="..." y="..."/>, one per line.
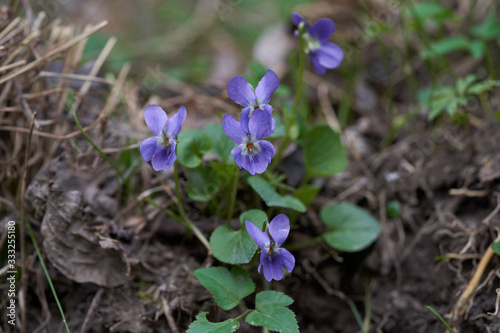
<point x="118" y="173"/>
<point x="298" y="94"/>
<point x="356" y="314"/>
<point x="166" y="211"/>
<point x="489" y="61"/>
<point x="187" y="222"/>
<point x="247" y="311"/>
<point x="366" y="322"/>
<point x="233" y="195"/>
<point x="49" y="280"/>
<point x="304" y="244"/>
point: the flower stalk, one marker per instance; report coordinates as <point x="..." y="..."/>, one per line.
<point x="186" y="221"/>
<point x="298" y="95"/>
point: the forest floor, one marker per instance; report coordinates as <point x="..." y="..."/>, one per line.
<point x="445" y="176"/>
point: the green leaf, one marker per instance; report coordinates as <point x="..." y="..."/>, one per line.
<point x="463" y="84"/>
<point x="445" y="46"/>
<point x="352" y="229"/>
<point x="476" y="49"/>
<point x="279" y="129"/>
<point x="324" y="153"/>
<point x="228" y="288"/>
<point x="273" y="198"/>
<point x="437" y="100"/>
<point x="224" y="172"/>
<point x="232" y="246"/>
<point x="193" y="144"/>
<point x="307" y="193"/>
<point x="496" y="247"/>
<point x="256" y="216"/>
<point x="270" y="312"/>
<point x="489" y="29"/>
<point x="222" y="143"/>
<point x="237" y="246"/>
<point x="429" y="10"/>
<point x="202" y="325"/>
<point x="203" y="184"/>
<point x="480" y="87"/>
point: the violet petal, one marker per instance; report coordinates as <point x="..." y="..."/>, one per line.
<point x="279" y="228"/>
<point x="260" y="125"/>
<point x="267" y="149"/>
<point x="175" y="122"/>
<point x="155" y="118"/>
<point x="160" y="160"/>
<point x="260" y="238"/>
<point x="320" y="69"/>
<point x="330" y="55"/>
<point x="148" y="148"/>
<point x="273" y="267"/>
<point x="266" y="87"/>
<point x="233" y="129"/>
<point x="323" y="29"/>
<point x="240" y="91"/>
<point x="287" y="259"/>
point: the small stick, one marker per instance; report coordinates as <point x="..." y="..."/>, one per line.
<point x="14" y="64"/>
<point x="168" y="315"/>
<point x="79" y="77"/>
<point x="95" y="301"/>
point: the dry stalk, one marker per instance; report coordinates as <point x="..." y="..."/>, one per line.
<point x="461" y="305"/>
<point x="52" y="53"/>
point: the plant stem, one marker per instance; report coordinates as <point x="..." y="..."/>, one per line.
<point x="233" y="195"/>
<point x="247" y="311"/>
<point x="356" y="314"/>
<point x="166" y="211"/>
<point x="39" y="255"/>
<point x="186" y="221"/>
<point x="117" y="171"/>
<point x="298" y="93"/>
<point x="366" y="321"/>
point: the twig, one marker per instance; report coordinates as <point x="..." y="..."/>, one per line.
<point x="168" y="315"/>
<point x="14" y="64"/>
<point x="488" y="218"/>
<point x="78" y="77"/>
<point x="95" y="301"/>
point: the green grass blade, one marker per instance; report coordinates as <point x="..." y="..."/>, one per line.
<point x="49" y="280"/>
<point x="440" y="318"/>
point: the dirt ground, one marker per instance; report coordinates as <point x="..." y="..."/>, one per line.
<point x="445" y="176"/>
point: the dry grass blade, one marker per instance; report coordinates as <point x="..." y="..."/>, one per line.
<point x="54" y="52"/>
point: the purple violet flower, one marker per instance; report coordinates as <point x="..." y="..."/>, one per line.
<point x="251" y="154"/>
<point x="160" y="149"/>
<point x="242" y="93"/>
<point x="323" y="54"/>
<point x="272" y="256"/>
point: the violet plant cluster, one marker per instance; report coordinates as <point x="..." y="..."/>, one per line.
<point x="254" y="152"/>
